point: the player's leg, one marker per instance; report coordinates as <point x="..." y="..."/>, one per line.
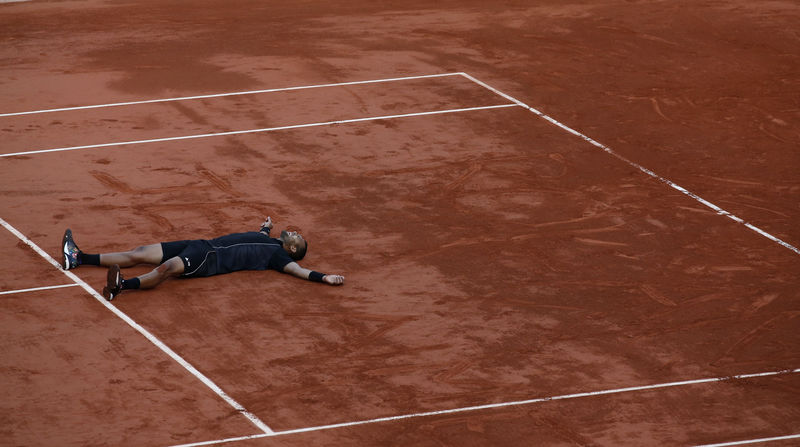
<point x="146" y="254"/>
<point x="73" y="256"/>
<point x="115" y="283"/>
<point x="171" y="267"/>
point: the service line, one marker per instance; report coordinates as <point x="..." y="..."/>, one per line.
<point x="152" y="338"/>
<point x="220" y="95"/>
<point x="610" y="151"/>
<point x="499" y="405"/>
<point x="9" y="292"/>
<point x="266" y="129"/>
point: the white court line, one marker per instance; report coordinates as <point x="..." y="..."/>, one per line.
<point x="220" y="95"/>
<point x="152" y="338"/>
<point x="610" y="151"/>
<point x="498" y="405"/>
<point x="751" y="441"/>
<point x="8" y="292"/>
<point x="266" y="129"/>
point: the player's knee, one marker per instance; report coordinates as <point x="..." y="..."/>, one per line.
<point x="139" y="254"/>
<point x="171" y="267"/>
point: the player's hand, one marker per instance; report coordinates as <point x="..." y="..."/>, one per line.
<point x="334" y="280"/>
<point x="267" y="223"/>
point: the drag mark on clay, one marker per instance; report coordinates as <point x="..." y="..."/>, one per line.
<point x="601" y="243"/>
<point x="189" y="113"/>
<point x="389" y="325"/>
<point x="116" y="184"/>
<point x="219" y="182"/>
<point x="693" y="302"/>
<point x="751" y="335"/>
<point x="112" y="182"/>
<point x="771" y="135"/>
<point x="213" y="178"/>
<point x="761" y="302"/>
<point x="731" y="268"/>
<point x="471" y="241"/>
<point x="734" y="181"/>
<point x="653" y="102"/>
<point x="448" y="374"/>
<point x="463" y="178"/>
<point x="657" y="296"/>
<point x="568" y="221"/>
<point x="598" y="230"/>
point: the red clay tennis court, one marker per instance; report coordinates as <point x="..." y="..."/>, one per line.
<point x="561" y="223"/>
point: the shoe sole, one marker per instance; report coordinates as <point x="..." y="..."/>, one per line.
<point x="64" y="242"/>
<point x="113" y="283"/>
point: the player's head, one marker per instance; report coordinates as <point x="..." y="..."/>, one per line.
<point x="294" y="244"/>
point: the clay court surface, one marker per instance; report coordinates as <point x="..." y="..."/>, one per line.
<point x="622" y="274"/>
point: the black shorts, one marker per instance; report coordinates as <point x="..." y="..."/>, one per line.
<point x="198" y="256"/>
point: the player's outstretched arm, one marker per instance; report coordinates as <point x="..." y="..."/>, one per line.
<point x="294" y="269"/>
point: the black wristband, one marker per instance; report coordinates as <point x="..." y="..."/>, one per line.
<point x="264" y="230"/>
<point x="315" y="276"/>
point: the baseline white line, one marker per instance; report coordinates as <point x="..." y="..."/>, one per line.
<point x="152" y="338"/>
<point x="751" y="441"/>
<point x="8" y="292"/>
<point x="266" y="129"/>
<point x="220" y="95"/>
<point x="501" y="405"/>
<point x="610" y="151"/>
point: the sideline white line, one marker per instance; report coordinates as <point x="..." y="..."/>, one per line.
<point x="610" y="151"/>
<point x="751" y="441"/>
<point x="152" y="338"/>
<point x="499" y="405"/>
<point x="266" y="129"/>
<point x="220" y="95"/>
<point x="8" y="292"/>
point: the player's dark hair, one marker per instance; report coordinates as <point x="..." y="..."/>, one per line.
<point x="301" y="251"/>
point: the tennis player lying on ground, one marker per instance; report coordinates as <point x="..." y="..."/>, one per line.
<point x="198" y="258"/>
